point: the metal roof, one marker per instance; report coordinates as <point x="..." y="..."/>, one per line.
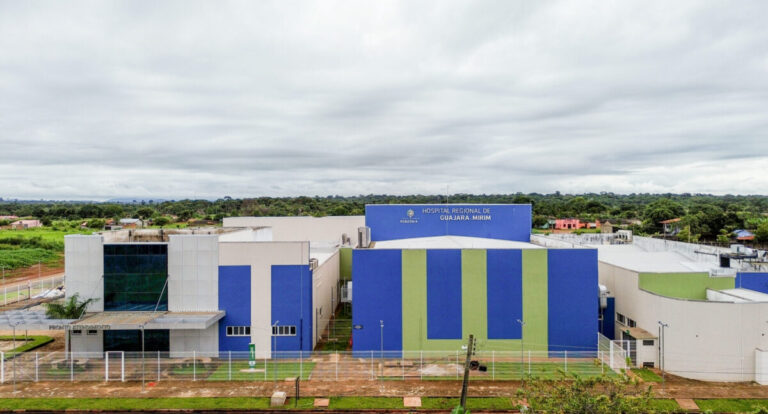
<point x="452" y="242"/>
<point x="30" y="320"/>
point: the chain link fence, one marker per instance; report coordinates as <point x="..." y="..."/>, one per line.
<point x="32" y="289"/>
<point x="313" y="366"/>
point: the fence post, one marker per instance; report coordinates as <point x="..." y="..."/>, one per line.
<point x="565" y="357"/>
<point x="122" y="366"/>
<point x="72" y="366"/>
<point x="2" y="367"/>
<point x="493" y="365"/>
<point x="230" y="365"/>
<point x="610" y="355"/>
<point x="158" y="366"/>
<point x="373" y="377"/>
<point x="402" y="364"/>
<point x="529" y="362"/>
<point x="37" y="371"/>
<point x="194" y="365"/>
<point x="602" y="362"/>
<point x="421" y="365"/>
<point x="337" y="365"/>
<point x="457" y="364"/>
<point x="265" y="367"/>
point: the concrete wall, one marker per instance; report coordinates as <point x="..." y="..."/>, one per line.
<point x="260" y="257"/>
<point x="304" y="227"/>
<point x="193" y="273"/>
<point x="88" y="343"/>
<point x="325" y="294"/>
<point x="84" y="268"/>
<point x="712" y="341"/>
<point x="205" y="342"/>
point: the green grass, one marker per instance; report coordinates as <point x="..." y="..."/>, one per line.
<point x="32" y="343"/>
<point x="731" y="405"/>
<point x="342" y="332"/>
<point x="665" y="405"/>
<point x="284" y="370"/>
<point x="24" y="248"/>
<point x="647" y="375"/>
<point x="14" y="258"/>
<point x="336" y="403"/>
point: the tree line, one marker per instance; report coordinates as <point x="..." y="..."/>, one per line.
<point x="704" y="216"/>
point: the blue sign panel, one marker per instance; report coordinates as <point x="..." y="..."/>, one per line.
<point x="493" y="221"/>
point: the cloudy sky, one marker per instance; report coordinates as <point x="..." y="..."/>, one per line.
<point x="207" y="99"/>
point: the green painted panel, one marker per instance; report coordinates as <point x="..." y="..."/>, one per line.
<point x="414" y="299"/>
<point x="683" y="285"/>
<point x="535" y="299"/>
<point x="474" y="295"/>
<point x="345" y="263"/>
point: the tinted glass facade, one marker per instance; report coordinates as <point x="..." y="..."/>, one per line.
<point x="130" y="340"/>
<point x="135" y="276"/>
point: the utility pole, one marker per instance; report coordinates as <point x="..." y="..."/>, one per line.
<point x="465" y="384"/>
<point x="662" y="327"/>
<point x="522" y="361"/>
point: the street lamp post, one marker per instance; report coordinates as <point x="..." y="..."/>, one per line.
<point x="142" y="357"/>
<point x="522" y="362"/>
<point x="662" y="340"/>
<point x="274" y="348"/>
<point x="15" y="354"/>
<point x="381" y="339"/>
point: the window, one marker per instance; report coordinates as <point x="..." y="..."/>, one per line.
<point x="631" y="323"/>
<point x="648" y="342"/>
<point x="77" y="331"/>
<point x="135" y="276"/>
<point x="93" y="332"/>
<point x="238" y="331"/>
<point x="284" y="330"/>
<point x="620" y="318"/>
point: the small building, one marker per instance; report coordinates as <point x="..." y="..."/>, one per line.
<point x="568" y="224"/>
<point x="9" y="218"/>
<point x="26" y="224"/>
<point x="131" y="223"/>
<point x="671" y="226"/>
<point x="743" y="235"/>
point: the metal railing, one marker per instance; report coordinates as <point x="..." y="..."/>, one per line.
<point x="308" y="366"/>
<point x="31" y="289"/>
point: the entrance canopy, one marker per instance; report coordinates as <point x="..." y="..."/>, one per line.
<point x="36" y="320"/>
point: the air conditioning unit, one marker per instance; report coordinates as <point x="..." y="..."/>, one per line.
<point x="313" y="263"/>
<point x="363" y="237"/>
<point x="346" y="292"/>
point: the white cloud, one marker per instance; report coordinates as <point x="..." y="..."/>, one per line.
<point x="182" y="99"/>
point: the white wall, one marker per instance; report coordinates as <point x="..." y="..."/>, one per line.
<point x="193" y="273"/>
<point x="761" y="367"/>
<point x="205" y="342"/>
<point x="88" y="343"/>
<point x="303" y="227"/>
<point x="712" y="341"/>
<point x="324" y="294"/>
<point x="84" y="268"/>
<point x="261" y="256"/>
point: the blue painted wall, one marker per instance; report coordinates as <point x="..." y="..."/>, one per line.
<point x="444" y="294"/>
<point x="753" y="281"/>
<point x="235" y="300"/>
<point x="494" y="221"/>
<point x="292" y="305"/>
<point x="573" y="299"/>
<point x="609" y="319"/>
<point x="505" y="293"/>
<point x="377" y="295"/>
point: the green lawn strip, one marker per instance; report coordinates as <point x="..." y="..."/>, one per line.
<point x="665" y="405"/>
<point x="337" y="403"/>
<point x="31" y="343"/>
<point x="284" y="370"/>
<point x="731" y="405"/>
<point x="647" y="375"/>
